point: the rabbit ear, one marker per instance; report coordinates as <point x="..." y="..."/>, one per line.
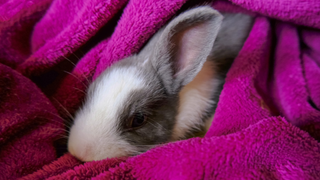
<point x="184" y="45"/>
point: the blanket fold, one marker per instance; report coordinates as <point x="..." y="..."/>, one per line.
<point x="266" y="126"/>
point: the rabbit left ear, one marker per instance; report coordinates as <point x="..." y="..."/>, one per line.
<point x="184" y="45"/>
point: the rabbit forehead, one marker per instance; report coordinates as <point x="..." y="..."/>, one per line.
<point x="113" y="90"/>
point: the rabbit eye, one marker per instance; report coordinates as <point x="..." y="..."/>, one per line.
<point x="138" y="120"/>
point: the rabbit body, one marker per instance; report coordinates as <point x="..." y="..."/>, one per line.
<point x="166" y="92"/>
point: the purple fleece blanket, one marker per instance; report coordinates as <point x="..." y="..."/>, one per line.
<point x="267" y="124"/>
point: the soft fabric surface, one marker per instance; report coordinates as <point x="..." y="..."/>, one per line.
<point x="267" y="124"/>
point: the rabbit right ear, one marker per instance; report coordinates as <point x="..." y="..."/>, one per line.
<point x="184" y="45"/>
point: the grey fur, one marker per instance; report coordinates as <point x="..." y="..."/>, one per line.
<point x="234" y="31"/>
<point x="226" y="48"/>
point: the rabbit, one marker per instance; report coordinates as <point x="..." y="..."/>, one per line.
<point x="167" y="92"/>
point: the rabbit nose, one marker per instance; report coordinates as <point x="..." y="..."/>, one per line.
<point x="83" y="152"/>
<point x="81" y="148"/>
<point x="86" y="154"/>
<point x="70" y="149"/>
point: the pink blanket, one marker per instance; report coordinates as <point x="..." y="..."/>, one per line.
<point x="267" y="124"/>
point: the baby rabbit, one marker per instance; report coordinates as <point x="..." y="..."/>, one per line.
<point x="165" y="93"/>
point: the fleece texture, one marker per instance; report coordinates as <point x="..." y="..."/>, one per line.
<point x="266" y="126"/>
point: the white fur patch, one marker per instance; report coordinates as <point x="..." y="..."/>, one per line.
<point x="94" y="135"/>
<point x="195" y="98"/>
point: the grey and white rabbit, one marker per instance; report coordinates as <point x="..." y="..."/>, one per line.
<point x="165" y="93"/>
